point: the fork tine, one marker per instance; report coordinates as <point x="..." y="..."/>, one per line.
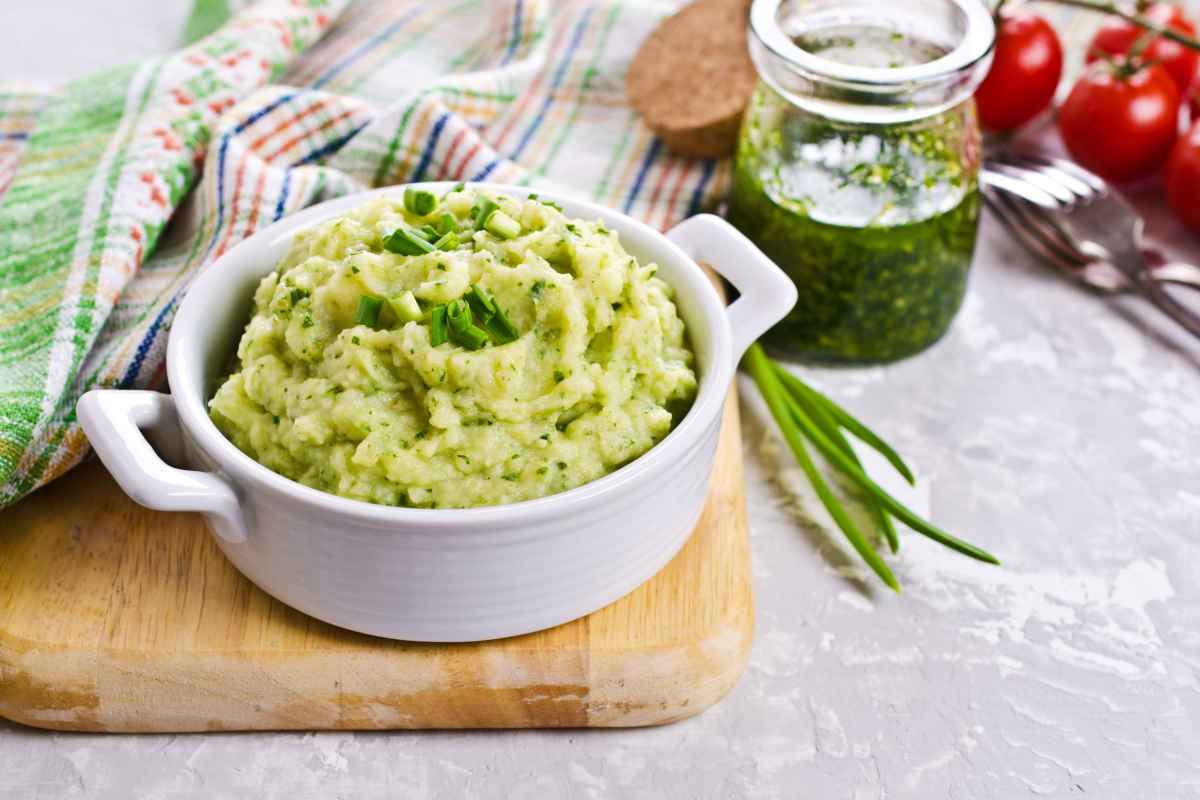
<point x="1074" y="183"/>
<point x="1071" y="177"/>
<point x="1044" y="225"/>
<point x="1094" y="181"/>
<point x="1050" y="225"/>
<point x="1036" y="177"/>
<point x="1023" y="189"/>
<point x="1007" y="211"/>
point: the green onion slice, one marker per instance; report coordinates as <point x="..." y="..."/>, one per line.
<point x="421" y="202"/>
<point x="458" y="315"/>
<point x="437" y="326"/>
<point x="481" y="302"/>
<point x="368" y="310"/>
<point x="502" y="225"/>
<point x="471" y="338"/>
<point x="484" y="207"/>
<point x="446" y="223"/>
<point x="448" y="242"/>
<point x="407" y="242"/>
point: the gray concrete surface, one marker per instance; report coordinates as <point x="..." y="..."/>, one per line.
<point x="1058" y="429"/>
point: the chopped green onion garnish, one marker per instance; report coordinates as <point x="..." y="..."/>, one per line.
<point x="458" y="187"/>
<point x="472" y="338"/>
<point x="446" y="223"/>
<point x="428" y="233"/>
<point x="501" y="329"/>
<point x="484" y="208"/>
<point x="421" y="202"/>
<point x="437" y="326"/>
<point x="299" y="294"/>
<point x="407" y="242"/>
<point x="502" y="225"/>
<point x="482" y="302"/>
<point x="406" y="307"/>
<point x="491" y="316"/>
<point x="458" y="314"/>
<point x="462" y="329"/>
<point x="368" y="310"/>
<point x="447" y="242"/>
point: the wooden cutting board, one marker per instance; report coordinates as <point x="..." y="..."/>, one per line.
<point x="117" y="618"/>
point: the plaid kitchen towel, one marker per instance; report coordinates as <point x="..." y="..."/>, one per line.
<point x="117" y="189"/>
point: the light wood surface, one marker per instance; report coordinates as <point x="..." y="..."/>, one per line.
<point x="117" y="618"/>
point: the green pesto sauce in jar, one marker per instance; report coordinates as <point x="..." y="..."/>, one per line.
<point x="874" y="222"/>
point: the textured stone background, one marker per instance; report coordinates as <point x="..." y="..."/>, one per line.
<point x="1058" y="429"/>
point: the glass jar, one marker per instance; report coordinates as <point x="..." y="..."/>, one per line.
<point x="857" y="164"/>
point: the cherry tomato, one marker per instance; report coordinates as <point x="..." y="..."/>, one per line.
<point x="1183" y="178"/>
<point x="1116" y="36"/>
<point x="1194" y="94"/>
<point x="1120" y="120"/>
<point x="1024" y="72"/>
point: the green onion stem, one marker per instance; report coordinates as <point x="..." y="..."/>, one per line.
<point x="502" y="225"/>
<point x="483" y="208"/>
<point x="760" y="368"/>
<point x="855" y="473"/>
<point x="828" y="426"/>
<point x="421" y="202"/>
<point x="368" y="310"/>
<point x="407" y="242"/>
<point x="804" y="413"/>
<point x="446" y="223"/>
<point x="437" y="326"/>
<point x="860" y="431"/>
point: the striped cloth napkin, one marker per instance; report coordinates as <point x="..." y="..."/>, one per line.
<point x="117" y="189"/>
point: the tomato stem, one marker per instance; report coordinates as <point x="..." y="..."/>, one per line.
<point x="1109" y="8"/>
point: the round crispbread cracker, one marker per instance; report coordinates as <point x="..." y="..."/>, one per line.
<point x="692" y="78"/>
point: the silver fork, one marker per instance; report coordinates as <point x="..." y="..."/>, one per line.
<point x="1072" y="219"/>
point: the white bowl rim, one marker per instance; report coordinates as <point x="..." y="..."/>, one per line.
<point x="185" y="380"/>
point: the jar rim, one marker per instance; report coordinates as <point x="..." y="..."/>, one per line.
<point x="977" y="42"/>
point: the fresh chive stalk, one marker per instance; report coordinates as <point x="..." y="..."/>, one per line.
<point x="765" y="376"/>
<point x="368" y="310"/>
<point x="421" y="202"/>
<point x="807" y="417"/>
<point x="819" y="415"/>
<point x="859" y="431"/>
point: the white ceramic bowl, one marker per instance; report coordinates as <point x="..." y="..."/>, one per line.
<point x="436" y="575"/>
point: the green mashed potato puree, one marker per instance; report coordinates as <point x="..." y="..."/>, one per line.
<point x="456" y="351"/>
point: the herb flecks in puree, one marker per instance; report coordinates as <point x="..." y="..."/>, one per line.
<point x="456" y="351"/>
<point x="875" y="223"/>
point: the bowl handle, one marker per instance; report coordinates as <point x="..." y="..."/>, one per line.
<point x="767" y="293"/>
<point x="113" y="421"/>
